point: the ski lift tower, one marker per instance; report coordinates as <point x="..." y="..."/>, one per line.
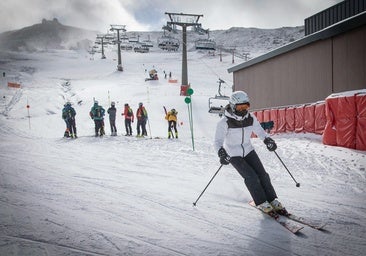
<point x="119" y="28"/>
<point x="183" y="20"/>
<point x="101" y="38"/>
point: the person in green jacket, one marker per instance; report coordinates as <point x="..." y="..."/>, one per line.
<point x="68" y="115"/>
<point x="97" y="114"/>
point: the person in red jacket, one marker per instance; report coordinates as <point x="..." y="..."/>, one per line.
<point x="128" y="113"/>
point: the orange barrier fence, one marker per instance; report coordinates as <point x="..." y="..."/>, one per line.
<point x="13" y="85"/>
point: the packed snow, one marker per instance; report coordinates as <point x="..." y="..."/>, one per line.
<point x="119" y="195"/>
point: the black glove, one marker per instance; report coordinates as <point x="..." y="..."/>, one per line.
<point x="270" y="143"/>
<point x="224" y="157"/>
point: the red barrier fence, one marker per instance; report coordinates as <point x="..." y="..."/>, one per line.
<point x="299" y="119"/>
<point x="290" y="119"/>
<point x="281" y="119"/>
<point x="320" y="118"/>
<point x="360" y="101"/>
<point x="341" y="119"/>
<point x="346" y="126"/>
<point x="274" y="118"/>
<point x="309" y="118"/>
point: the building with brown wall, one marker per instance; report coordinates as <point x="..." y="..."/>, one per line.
<point x="328" y="61"/>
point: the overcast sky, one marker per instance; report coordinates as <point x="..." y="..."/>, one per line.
<point x="149" y="15"/>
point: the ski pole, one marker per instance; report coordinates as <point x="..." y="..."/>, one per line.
<point x="297" y="184"/>
<point x="207" y="185"/>
<point x="148" y="122"/>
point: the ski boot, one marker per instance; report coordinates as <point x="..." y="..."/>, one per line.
<point x="265" y="207"/>
<point x="278" y="207"/>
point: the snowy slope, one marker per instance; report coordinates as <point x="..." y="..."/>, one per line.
<point x="128" y="196"/>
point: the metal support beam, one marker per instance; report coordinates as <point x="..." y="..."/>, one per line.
<point x="191" y="20"/>
<point x="184" y="57"/>
<point x="119" y="28"/>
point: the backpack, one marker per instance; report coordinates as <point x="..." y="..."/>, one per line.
<point x="69" y="113"/>
<point x="98" y="112"/>
<point x="129" y="112"/>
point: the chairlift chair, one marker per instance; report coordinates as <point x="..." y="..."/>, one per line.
<point x="205" y="44"/>
<point x="217" y="104"/>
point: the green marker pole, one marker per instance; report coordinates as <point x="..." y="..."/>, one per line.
<point x="188" y="100"/>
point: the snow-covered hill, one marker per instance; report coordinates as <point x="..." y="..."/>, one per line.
<point x="47" y="35"/>
<point x="50" y="34"/>
<point x="128" y="196"/>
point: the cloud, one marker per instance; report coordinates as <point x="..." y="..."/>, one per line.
<point x="144" y="15"/>
<point x="218" y="14"/>
<point x="89" y="14"/>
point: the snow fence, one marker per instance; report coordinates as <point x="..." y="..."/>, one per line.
<point x="340" y="119"/>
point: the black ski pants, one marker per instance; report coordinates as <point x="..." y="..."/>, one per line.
<point x="172" y="125"/>
<point x="141" y="127"/>
<point x="99" y="127"/>
<point x="255" y="177"/>
<point x="71" y="125"/>
<point x="112" y="123"/>
<point x="128" y="126"/>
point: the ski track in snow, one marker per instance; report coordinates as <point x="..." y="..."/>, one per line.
<point x="130" y="196"/>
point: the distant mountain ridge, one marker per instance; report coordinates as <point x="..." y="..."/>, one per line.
<point x="50" y="34"/>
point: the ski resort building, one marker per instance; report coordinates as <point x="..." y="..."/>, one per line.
<point x="331" y="58"/>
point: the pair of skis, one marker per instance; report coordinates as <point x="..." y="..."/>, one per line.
<point x="292" y="222"/>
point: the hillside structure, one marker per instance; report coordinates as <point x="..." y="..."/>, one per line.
<point x="330" y="59"/>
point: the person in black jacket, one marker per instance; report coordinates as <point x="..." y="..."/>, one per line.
<point x="112" y="118"/>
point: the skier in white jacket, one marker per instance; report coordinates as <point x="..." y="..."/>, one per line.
<point x="232" y="142"/>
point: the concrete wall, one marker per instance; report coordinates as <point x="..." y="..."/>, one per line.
<point x="307" y="74"/>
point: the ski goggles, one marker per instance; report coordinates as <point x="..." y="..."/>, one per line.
<point x="242" y="107"/>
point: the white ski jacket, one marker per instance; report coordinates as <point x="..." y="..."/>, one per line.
<point x="233" y="133"/>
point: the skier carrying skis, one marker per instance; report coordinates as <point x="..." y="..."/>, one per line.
<point x="68" y="114"/>
<point x="112" y="118"/>
<point x="128" y="113"/>
<point x="232" y="142"/>
<point x="141" y="115"/>
<point x="171" y="116"/>
<point x="97" y="114"/>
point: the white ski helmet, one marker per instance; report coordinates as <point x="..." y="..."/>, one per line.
<point x="238" y="97"/>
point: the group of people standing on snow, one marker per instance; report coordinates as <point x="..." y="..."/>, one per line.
<point x="97" y="114"/>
